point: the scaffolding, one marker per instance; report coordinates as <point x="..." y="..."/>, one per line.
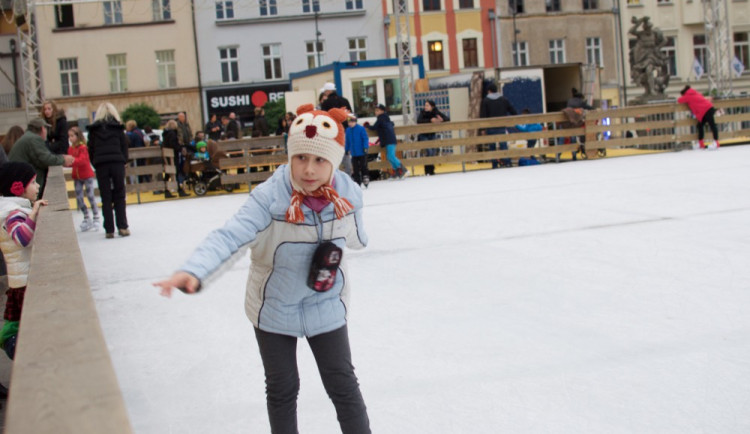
<point x="23" y="10"/>
<point x="405" y="59"/>
<point x="718" y="47"/>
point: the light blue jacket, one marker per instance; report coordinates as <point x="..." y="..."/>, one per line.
<point x="278" y="299"/>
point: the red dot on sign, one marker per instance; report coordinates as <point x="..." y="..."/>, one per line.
<point x="259" y="98"/>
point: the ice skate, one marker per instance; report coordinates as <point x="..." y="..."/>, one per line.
<point x="86" y="224"/>
<point x="97" y="223"/>
<point x="366" y="181"/>
<point x="713" y="146"/>
<point x="403" y="172"/>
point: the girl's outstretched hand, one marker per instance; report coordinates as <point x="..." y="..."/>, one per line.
<point x="181" y="280"/>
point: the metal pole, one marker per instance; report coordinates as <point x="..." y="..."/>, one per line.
<point x="317" y="35"/>
<point x="15" y="72"/>
<point x="623" y="94"/>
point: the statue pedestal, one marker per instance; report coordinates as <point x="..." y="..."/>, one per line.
<point x="650" y="99"/>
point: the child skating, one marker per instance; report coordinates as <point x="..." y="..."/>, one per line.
<point x="83" y="178"/>
<point x="19" y="209"/>
<point x="296" y="225"/>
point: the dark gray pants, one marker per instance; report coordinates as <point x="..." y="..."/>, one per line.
<point x="334" y="359"/>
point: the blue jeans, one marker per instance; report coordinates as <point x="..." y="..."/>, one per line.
<point x="390" y="155"/>
<point x="503" y="146"/>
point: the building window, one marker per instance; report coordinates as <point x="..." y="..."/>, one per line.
<point x="112" y="12"/>
<point x="742" y="49"/>
<point x="664" y="2"/>
<point x="357" y="49"/>
<point x="230" y="67"/>
<point x="392" y="89"/>
<point x="515" y="7"/>
<point x="557" y="51"/>
<point x="364" y="97"/>
<point x="594" y="51"/>
<point x="471" y="56"/>
<point x="700" y="51"/>
<point x="165" y="69"/>
<point x="670" y="50"/>
<point x="435" y="50"/>
<point x="315" y="52"/>
<point x="354" y="5"/>
<point x="69" y="76"/>
<point x="590" y="5"/>
<point x="272" y="61"/>
<point x="118" y="73"/>
<point x="520" y="55"/>
<point x="309" y="6"/>
<point x="466" y="4"/>
<point x="553" y="5"/>
<point x="160" y="10"/>
<point x="268" y="8"/>
<point x="634" y="2"/>
<point x="64" y="16"/>
<point x="224" y="9"/>
<point x="430" y="5"/>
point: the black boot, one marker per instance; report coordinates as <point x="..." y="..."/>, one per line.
<point x="182" y="192"/>
<point x="168" y="194"/>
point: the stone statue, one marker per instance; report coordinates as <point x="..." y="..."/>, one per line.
<point x="648" y="63"/>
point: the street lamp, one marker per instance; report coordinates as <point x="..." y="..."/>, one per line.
<point x="12" y="44"/>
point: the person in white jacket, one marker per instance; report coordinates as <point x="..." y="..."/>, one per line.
<point x="296" y="224"/>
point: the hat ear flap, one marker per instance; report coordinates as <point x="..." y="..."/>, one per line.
<point x="304" y="108"/>
<point x="338" y="114"/>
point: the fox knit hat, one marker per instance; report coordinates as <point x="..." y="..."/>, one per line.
<point x="15" y="176"/>
<point x="318" y="133"/>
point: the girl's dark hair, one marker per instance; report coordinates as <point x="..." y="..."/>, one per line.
<point x="684" y="89"/>
<point x="431" y="103"/>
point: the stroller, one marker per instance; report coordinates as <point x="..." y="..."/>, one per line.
<point x="204" y="176"/>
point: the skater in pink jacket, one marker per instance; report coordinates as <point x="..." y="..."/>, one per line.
<point x="704" y="111"/>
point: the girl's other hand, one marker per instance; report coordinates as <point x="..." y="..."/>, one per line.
<point x="181" y="280"/>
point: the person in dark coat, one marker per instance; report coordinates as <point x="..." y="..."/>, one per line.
<point x="57" y="133"/>
<point x="172" y="139"/>
<point x="260" y="124"/>
<point x="108" y="149"/>
<point x="333" y="99"/>
<point x="31" y="148"/>
<point x="430" y="114"/>
<point x="495" y="105"/>
<point x="214" y="128"/>
<point x="231" y="127"/>
<point x="384" y="127"/>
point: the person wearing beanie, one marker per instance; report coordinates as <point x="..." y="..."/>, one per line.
<point x="296" y="224"/>
<point x="19" y="209"/>
<point x="357" y="143"/>
<point x="31" y="148"/>
<point x="704" y="112"/>
<point x="384" y="127"/>
<point x="201" y="151"/>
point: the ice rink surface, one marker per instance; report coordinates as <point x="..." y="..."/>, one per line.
<point x="604" y="296"/>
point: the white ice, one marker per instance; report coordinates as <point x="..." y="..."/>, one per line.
<point x="605" y="296"/>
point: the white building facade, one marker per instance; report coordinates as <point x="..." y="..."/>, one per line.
<point x="247" y="50"/>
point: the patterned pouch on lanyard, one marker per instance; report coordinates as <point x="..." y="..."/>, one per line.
<point x="324" y="266"/>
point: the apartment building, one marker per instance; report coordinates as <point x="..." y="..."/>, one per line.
<point x="124" y="52"/>
<point x="682" y="24"/>
<point x="548" y="32"/>
<point x="247" y="51"/>
<point x="10" y="61"/>
<point x="453" y="36"/>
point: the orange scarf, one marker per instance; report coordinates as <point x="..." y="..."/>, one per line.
<point x="340" y="204"/>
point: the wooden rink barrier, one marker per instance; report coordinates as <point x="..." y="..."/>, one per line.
<point x="655" y="127"/>
<point x="62" y="380"/>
